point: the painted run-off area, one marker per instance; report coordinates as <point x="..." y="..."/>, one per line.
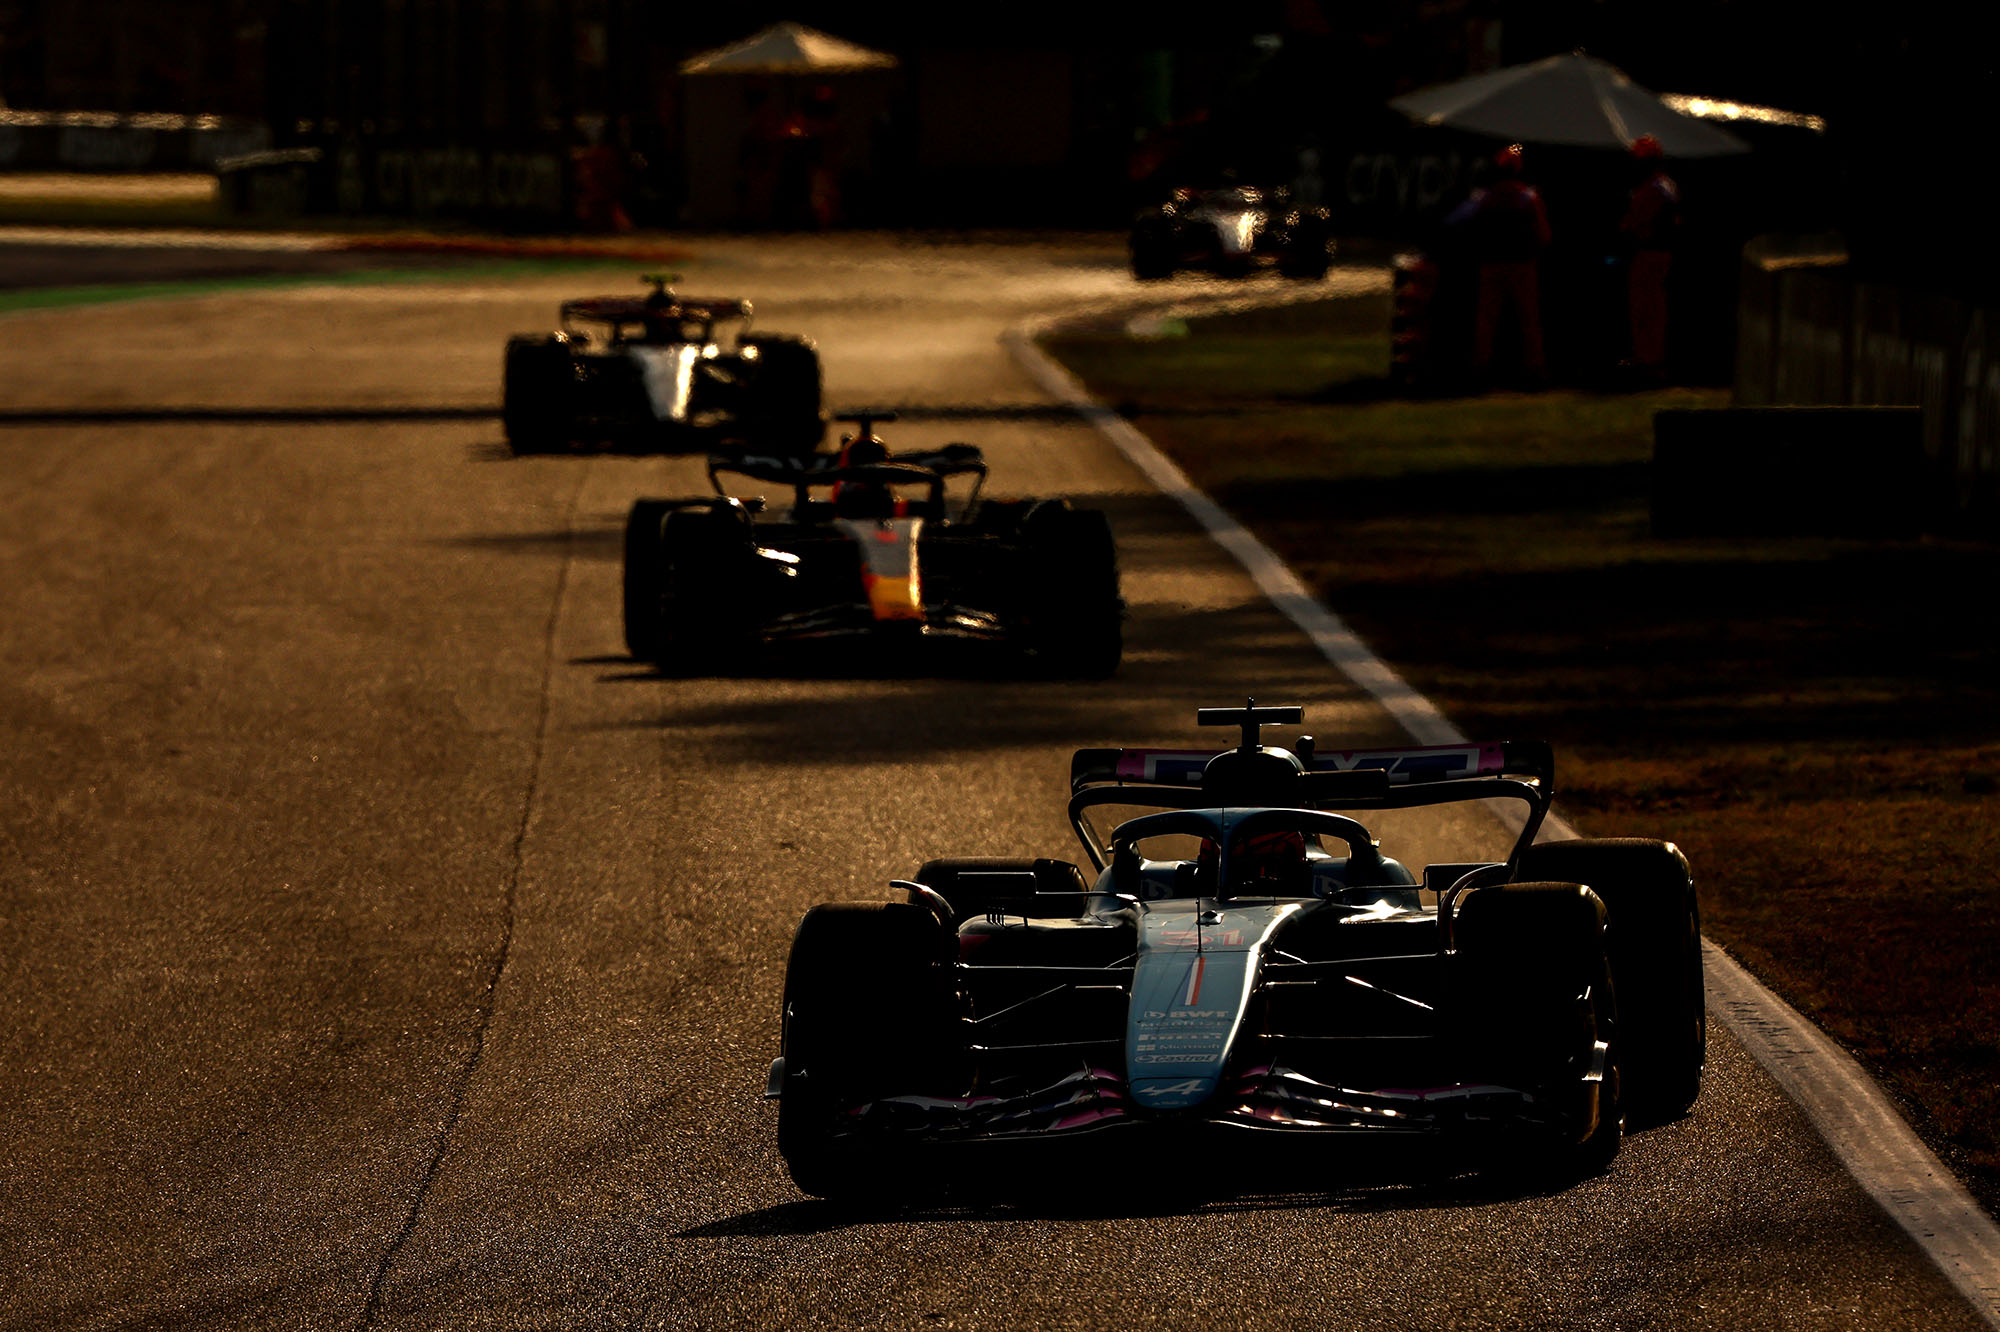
<point x="1816" y="722"/>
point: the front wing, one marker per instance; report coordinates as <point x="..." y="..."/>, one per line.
<point x="1266" y="1098"/>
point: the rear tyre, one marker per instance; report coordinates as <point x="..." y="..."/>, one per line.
<point x="1308" y="253"/>
<point x="871" y="1011"/>
<point x="783" y="411"/>
<point x="1534" y="1007"/>
<point x="1073" y="611"/>
<point x="1304" y="266"/>
<point x="1654" y="940"/>
<point x="645" y="578"/>
<point x="535" y="394"/>
<point x="1152" y="252"/>
<point x="708" y="602"/>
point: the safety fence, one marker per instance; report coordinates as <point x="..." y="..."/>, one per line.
<point x="109" y="141"/>
<point x="1810" y="334"/>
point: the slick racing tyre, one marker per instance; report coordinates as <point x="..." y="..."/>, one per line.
<point x="871" y="1011"/>
<point x="1654" y="937"/>
<point x="1074" y="613"/>
<point x="782" y="410"/>
<point x="1150" y="265"/>
<point x="1152" y="252"/>
<point x="1308" y="251"/>
<point x="1532" y="1002"/>
<point x="535" y="394"/>
<point x="1303" y="264"/>
<point x="645" y="578"/>
<point x="707" y="601"/>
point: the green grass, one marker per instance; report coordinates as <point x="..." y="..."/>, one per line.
<point x="54" y="298"/>
<point x="1816" y="722"/>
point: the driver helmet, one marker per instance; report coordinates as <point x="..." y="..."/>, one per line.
<point x="1646" y="148"/>
<point x="862" y="499"/>
<point x="1273" y="862"/>
<point x="1507" y="162"/>
<point x="861" y="450"/>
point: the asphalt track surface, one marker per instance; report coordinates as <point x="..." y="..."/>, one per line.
<point x="380" y="947"/>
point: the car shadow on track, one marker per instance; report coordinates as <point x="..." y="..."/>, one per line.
<point x="923" y="705"/>
<point x="815" y="1216"/>
<point x="598" y="542"/>
<point x="498" y="450"/>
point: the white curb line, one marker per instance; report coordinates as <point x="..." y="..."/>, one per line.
<point x="1848" y="1108"/>
<point x="1863" y="1128"/>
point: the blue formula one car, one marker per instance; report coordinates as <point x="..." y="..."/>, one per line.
<point x="1244" y="964"/>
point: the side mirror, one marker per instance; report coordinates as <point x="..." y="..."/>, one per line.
<point x="1125" y="870"/>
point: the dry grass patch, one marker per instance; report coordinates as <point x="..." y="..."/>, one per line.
<point x="1816" y="722"/>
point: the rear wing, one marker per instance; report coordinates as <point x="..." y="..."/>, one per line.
<point x="931" y="467"/>
<point x="1531" y="759"/>
<point x="1347" y="779"/>
<point x="626" y="309"/>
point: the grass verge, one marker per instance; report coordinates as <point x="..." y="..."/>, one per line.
<point x="101" y="293"/>
<point x="1816" y="722"/>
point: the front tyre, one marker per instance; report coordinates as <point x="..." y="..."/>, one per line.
<point x="870" y="1011"/>
<point x="783" y="407"/>
<point x="1534" y="1008"/>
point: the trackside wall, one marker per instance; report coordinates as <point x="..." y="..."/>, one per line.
<point x="1810" y="334"/>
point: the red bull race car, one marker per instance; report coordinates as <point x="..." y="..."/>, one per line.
<point x="871" y="551"/>
<point x="1242" y="964"/>
<point x="660" y="372"/>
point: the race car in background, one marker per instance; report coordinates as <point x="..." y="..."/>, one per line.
<point x="1229" y="232"/>
<point x="661" y="372"/>
<point x="872" y="549"/>
<point x="1245" y="965"/>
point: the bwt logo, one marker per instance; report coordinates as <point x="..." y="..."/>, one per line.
<point x="1188" y="1013"/>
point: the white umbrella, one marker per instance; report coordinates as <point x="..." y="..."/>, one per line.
<point x="789" y="48"/>
<point x="1568" y="100"/>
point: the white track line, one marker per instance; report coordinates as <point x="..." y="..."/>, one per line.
<point x="1864" y="1130"/>
<point x="1851" y="1112"/>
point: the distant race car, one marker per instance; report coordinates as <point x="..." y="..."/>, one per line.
<point x="1229" y="232"/>
<point x="1245" y="966"/>
<point x="871" y="548"/>
<point x="659" y="372"/>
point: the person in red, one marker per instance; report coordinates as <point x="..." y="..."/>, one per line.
<point x="1652" y="216"/>
<point x="1507" y="228"/>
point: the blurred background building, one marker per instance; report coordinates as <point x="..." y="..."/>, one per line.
<point x="1043" y="113"/>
